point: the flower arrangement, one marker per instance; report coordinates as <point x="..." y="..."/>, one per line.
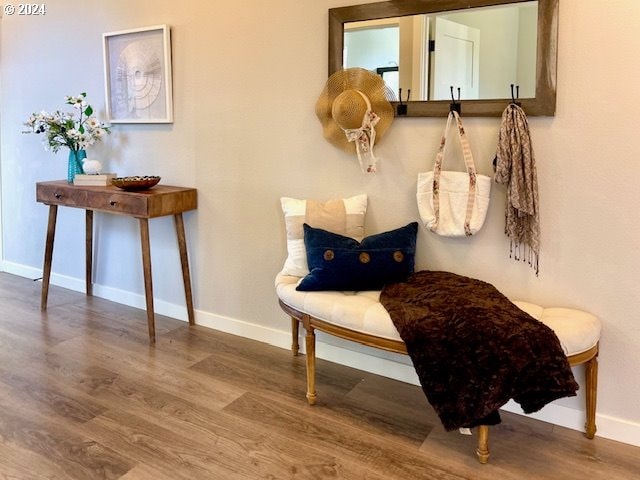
<point x="75" y="131"/>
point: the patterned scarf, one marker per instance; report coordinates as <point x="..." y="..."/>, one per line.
<point x="516" y="168"/>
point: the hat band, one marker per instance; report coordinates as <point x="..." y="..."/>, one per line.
<point x="365" y="137"/>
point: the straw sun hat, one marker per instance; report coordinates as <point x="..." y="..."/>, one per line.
<point x="354" y="108"/>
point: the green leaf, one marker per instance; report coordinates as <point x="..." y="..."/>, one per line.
<point x="88" y="111"/>
<point x="81" y="129"/>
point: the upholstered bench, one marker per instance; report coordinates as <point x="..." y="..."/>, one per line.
<point x="360" y="317"/>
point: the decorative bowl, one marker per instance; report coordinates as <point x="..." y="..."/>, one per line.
<point x="135" y="183"/>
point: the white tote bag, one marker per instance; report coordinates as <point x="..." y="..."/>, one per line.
<point x="453" y="204"/>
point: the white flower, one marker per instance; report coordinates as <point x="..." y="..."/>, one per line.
<point x="92" y="122"/>
<point x="73" y="133"/>
<point x="85" y="140"/>
<point x="99" y="132"/>
<point x="77" y="102"/>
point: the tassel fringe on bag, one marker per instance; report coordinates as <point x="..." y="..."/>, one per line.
<point x="516" y="168"/>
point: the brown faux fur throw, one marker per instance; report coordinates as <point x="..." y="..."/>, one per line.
<point x="473" y="349"/>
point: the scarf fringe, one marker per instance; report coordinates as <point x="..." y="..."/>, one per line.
<point x="530" y="256"/>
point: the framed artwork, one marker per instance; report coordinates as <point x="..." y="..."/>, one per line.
<point x="137" y="68"/>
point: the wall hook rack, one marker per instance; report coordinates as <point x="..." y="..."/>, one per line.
<point x="517" y="96"/>
<point x="402" y="107"/>
<point x="455" y="105"/>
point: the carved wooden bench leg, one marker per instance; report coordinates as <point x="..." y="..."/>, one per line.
<point x="483" y="444"/>
<point x="295" y="346"/>
<point x="591" y="381"/>
<point x="311" y="365"/>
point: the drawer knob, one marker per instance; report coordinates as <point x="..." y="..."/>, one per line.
<point x="113" y="203"/>
<point x="57" y="195"/>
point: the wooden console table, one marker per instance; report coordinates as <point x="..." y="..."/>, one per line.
<point x="158" y="201"/>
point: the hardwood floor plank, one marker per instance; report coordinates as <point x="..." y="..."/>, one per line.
<point x="18" y="463"/>
<point x="122" y="315"/>
<point x="15" y="349"/>
<point x="33" y="324"/>
<point x="301" y="424"/>
<point x="146" y="472"/>
<point x="78" y="456"/>
<point x="302" y="460"/>
<point x="28" y="293"/>
<point x="273" y="369"/>
<point x="49" y="397"/>
<point x="167" y="449"/>
<point x="101" y="323"/>
<point x="137" y="353"/>
<point x="373" y="406"/>
<point x="143" y="367"/>
<point x="612" y="458"/>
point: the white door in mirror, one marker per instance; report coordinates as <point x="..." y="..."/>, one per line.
<point x="457" y="60"/>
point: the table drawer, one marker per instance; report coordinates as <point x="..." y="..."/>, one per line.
<point x="59" y="194"/>
<point x="122" y="203"/>
<point x="112" y="201"/>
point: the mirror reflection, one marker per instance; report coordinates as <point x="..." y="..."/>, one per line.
<point x="480" y="50"/>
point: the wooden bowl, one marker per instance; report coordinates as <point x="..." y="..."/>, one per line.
<point x="135" y="183"/>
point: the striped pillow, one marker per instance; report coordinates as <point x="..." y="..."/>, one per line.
<point x="341" y="216"/>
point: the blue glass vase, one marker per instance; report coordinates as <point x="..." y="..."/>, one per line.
<point x="75" y="163"/>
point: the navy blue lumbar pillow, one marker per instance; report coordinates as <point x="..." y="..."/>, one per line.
<point x="337" y="262"/>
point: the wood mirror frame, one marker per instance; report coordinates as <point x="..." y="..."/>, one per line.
<point x="544" y="102"/>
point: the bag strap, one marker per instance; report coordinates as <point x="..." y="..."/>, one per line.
<point x="469" y="164"/>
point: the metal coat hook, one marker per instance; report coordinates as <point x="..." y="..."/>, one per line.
<point x="402" y="107"/>
<point x="455" y="106"/>
<point x="517" y="96"/>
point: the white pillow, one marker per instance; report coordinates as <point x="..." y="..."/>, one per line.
<point x="342" y="216"/>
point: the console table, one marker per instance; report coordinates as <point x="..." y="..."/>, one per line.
<point x="158" y="201"/>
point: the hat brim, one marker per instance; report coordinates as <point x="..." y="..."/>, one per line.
<point x="369" y="84"/>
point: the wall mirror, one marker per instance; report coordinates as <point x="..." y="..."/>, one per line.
<point x="429" y="46"/>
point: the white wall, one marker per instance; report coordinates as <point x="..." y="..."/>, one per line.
<point x="246" y="78"/>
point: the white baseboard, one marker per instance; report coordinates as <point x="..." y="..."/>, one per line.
<point x="124" y="297"/>
<point x="608" y="427"/>
<point x="23" y="270"/>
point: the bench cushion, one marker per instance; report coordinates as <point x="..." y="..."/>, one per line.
<point x="577" y="331"/>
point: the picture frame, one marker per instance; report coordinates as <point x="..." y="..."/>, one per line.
<point x="137" y="68"/>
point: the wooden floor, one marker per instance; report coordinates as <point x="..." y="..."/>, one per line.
<point x="83" y="396"/>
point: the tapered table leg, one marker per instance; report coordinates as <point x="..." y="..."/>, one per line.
<point x="184" y="261"/>
<point x="89" y="252"/>
<point x="48" y="255"/>
<point x="148" y="283"/>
